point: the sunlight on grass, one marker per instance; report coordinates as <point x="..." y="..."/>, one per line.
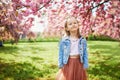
<point x="104" y="60"/>
<point x="38" y="61"/>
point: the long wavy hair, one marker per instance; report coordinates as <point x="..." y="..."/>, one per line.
<point x="68" y="32"/>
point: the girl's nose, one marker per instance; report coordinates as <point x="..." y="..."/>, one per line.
<point x="73" y="24"/>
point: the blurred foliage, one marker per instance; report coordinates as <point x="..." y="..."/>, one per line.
<point x="101" y="38"/>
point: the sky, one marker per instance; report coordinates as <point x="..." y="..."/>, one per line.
<point x="38" y="27"/>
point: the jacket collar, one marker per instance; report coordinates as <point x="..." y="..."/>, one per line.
<point x="68" y="38"/>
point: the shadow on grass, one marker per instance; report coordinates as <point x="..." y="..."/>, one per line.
<point x="14" y="49"/>
<point x="36" y="58"/>
<point x="8" y="49"/>
<point x="23" y="71"/>
<point x="107" y="49"/>
<point x="103" y="69"/>
<point x="18" y="71"/>
<point x="106" y="68"/>
<point x="100" y="46"/>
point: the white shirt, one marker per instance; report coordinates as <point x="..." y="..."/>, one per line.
<point x="74" y="47"/>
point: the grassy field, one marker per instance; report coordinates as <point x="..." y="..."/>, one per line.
<point x="38" y="61"/>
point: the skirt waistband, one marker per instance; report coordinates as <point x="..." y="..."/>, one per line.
<point x="74" y="56"/>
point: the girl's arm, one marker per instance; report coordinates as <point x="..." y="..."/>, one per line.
<point x="60" y="57"/>
<point x="85" y="54"/>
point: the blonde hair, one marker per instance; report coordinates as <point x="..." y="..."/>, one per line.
<point x="68" y="32"/>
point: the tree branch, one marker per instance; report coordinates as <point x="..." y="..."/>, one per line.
<point x="40" y="7"/>
<point x="96" y="6"/>
<point x="100" y="4"/>
<point x="45" y="5"/>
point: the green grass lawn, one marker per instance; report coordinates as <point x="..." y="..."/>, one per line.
<point x="38" y="61"/>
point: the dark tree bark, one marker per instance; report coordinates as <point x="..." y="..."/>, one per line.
<point x="1" y="44"/>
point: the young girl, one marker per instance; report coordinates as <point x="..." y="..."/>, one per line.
<point x="73" y="57"/>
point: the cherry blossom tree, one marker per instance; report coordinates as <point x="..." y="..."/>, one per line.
<point x="98" y="17"/>
<point x="14" y="16"/>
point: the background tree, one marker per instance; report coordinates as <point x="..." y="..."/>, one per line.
<point x="98" y="17"/>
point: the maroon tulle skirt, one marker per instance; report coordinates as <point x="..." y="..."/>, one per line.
<point x="73" y="70"/>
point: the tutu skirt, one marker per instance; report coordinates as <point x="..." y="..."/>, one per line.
<point x="73" y="70"/>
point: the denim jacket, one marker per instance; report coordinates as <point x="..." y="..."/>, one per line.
<point x="64" y="50"/>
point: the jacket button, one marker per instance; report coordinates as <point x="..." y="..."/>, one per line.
<point x="81" y="54"/>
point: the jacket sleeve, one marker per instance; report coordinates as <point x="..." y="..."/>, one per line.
<point x="60" y="56"/>
<point x="85" y="54"/>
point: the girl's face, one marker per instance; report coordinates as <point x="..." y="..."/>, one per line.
<point x="72" y="25"/>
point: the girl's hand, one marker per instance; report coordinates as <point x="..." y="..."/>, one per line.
<point x="85" y="69"/>
<point x="60" y="69"/>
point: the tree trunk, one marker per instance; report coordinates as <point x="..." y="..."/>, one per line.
<point x="119" y="43"/>
<point x="1" y="44"/>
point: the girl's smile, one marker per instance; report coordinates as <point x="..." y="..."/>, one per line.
<point x="72" y="24"/>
